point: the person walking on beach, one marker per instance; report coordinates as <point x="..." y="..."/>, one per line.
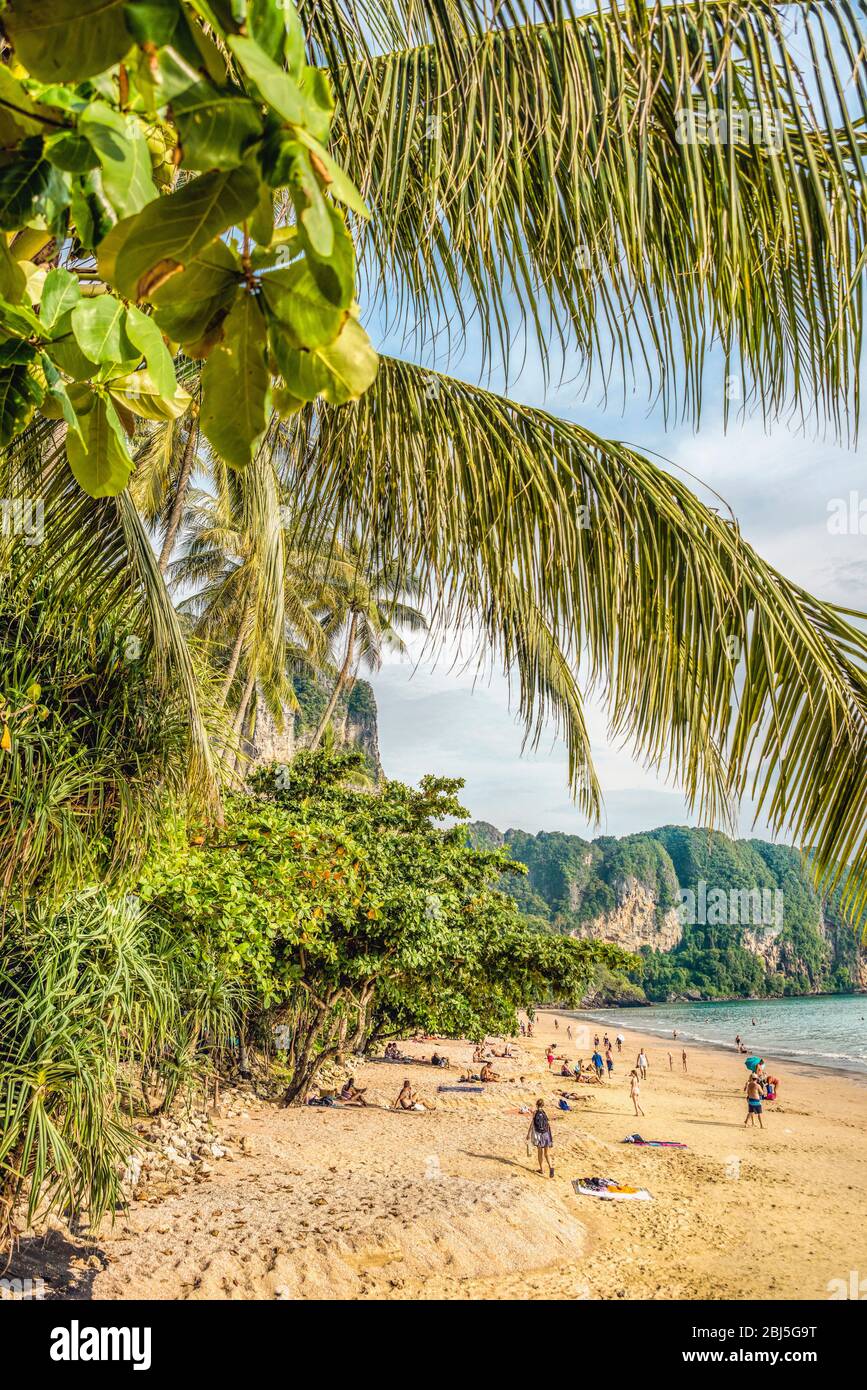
<point x="596" y="1059"/>
<point x="556" y="1025"/>
<point x="620" y="1041"/>
<point x="569" y="1031"/>
<point x="753" y="1089"/>
<point x="683" y="1058"/>
<point x="540" y="1136"/>
<point x="635" y="1092"/>
<point x="550" y="1056"/>
<point x="641" y="1064"/>
<point x="670" y="1063"/>
<point x="609" y="1062"/>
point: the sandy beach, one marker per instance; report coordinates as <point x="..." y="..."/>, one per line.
<point x="372" y="1203"/>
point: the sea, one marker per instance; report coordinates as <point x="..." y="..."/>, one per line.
<point x="819" y="1030"/>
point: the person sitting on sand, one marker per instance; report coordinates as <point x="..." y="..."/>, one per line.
<point x="753" y="1089"/>
<point x="488" y="1073"/>
<point x="635" y="1091"/>
<point x="351" y="1094"/>
<point x="772" y="1086"/>
<point x="438" y="1061"/>
<point x="540" y="1136"/>
<point x="566" y="1070"/>
<point x="408" y="1100"/>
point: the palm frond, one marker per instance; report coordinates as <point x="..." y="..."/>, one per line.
<point x="539" y="165"/>
<point x="714" y="666"/>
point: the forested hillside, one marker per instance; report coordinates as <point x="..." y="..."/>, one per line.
<point x="709" y="916"/>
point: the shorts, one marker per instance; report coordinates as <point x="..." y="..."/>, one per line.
<point x="755" y="1106"/>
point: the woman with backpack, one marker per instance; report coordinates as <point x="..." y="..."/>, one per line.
<point x="540" y="1136"/>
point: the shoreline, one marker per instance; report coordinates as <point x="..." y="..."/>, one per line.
<point x="856" y="1070"/>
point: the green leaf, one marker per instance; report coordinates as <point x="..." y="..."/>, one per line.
<point x="145" y="397"/>
<point x="71" y="152"/>
<point x="334" y="274"/>
<point x="152" y="21"/>
<point x="266" y="25"/>
<point x="294" y="297"/>
<point x="147" y="337"/>
<point x="340" y="372"/>
<point x="100" y="328"/>
<point x="31" y="187"/>
<point x="235" y="386"/>
<point x="123" y="154"/>
<point x="67" y="40"/>
<point x="98" y="455"/>
<point x="57" y="404"/>
<point x="351" y="363"/>
<point x="278" y="89"/>
<point x="20" y="115"/>
<point x="171" y="231"/>
<point x="311" y="207"/>
<point x="60" y="294"/>
<point x="214" y="127"/>
<point x="340" y="185"/>
<point x="189" y="303"/>
<point x="20" y="392"/>
<point x="12" y="278"/>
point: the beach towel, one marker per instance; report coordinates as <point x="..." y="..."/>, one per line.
<point x="653" y="1143"/>
<point x="610" y="1190"/>
<point x="463" y="1090"/>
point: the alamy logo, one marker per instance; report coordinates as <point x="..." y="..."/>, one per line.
<point x="717" y="907"/>
<point x="23" y="516"/>
<point x="854" y="1287"/>
<point x="77" y="1343"/>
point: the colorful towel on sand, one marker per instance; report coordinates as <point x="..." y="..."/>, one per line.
<point x="610" y="1190"/>
<point x="463" y="1090"/>
<point x="653" y="1143"/>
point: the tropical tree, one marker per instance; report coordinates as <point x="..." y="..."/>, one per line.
<point x="369" y="608"/>
<point x="578" y="177"/>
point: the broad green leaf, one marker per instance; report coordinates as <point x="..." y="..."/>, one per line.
<point x="235" y="386"/>
<point x="311" y="207"/>
<point x="143" y="396"/>
<point x="31" y="188"/>
<point x="100" y="328"/>
<point x="71" y="152"/>
<point x="340" y="371"/>
<point x="57" y="404"/>
<point x="67" y="40"/>
<point x="340" y="186"/>
<point x="267" y="26"/>
<point x="294" y="298"/>
<point x="334" y="274"/>
<point x="190" y="302"/>
<point x="20" y="115"/>
<point x="214" y="128"/>
<point x="12" y="277"/>
<point x="171" y="231"/>
<point x="277" y="87"/>
<point x="20" y="391"/>
<point x="98" y="455"/>
<point x="351" y="363"/>
<point x="60" y="293"/>
<point x="147" y="337"/>
<point x="123" y="154"/>
<point x="152" y="21"/>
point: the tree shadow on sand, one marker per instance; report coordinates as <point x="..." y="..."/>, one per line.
<point x="67" y="1267"/>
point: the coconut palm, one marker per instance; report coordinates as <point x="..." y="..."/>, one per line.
<point x="538" y="172"/>
<point x="368" y="610"/>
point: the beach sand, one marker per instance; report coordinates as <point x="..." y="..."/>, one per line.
<point x="352" y="1203"/>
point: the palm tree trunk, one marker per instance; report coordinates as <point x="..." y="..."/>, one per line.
<point x="235" y="657"/>
<point x="238" y="723"/>
<point x="342" y="678"/>
<point x="180" y="496"/>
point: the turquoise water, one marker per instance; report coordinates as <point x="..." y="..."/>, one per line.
<point x="829" y="1031"/>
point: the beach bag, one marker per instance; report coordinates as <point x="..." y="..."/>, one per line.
<point x="540" y="1122"/>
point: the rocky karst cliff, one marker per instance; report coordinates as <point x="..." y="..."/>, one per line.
<point x="354" y="724"/>
<point x="707" y="915"/>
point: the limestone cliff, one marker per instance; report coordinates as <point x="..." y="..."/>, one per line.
<point x="354" y="724"/>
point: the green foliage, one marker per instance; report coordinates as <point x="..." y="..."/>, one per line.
<point x="92" y="755"/>
<point x="354" y="915"/>
<point x="140" y="154"/>
<point x="571" y="882"/>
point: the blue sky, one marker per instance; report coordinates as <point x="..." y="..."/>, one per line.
<point x="782" y="488"/>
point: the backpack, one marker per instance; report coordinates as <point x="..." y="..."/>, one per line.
<point x="540" y="1122"/>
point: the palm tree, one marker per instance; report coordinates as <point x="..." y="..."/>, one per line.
<point x="534" y="172"/>
<point x="369" y="610"/>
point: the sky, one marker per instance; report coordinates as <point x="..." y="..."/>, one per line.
<point x="789" y="493"/>
<point x="794" y="497"/>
